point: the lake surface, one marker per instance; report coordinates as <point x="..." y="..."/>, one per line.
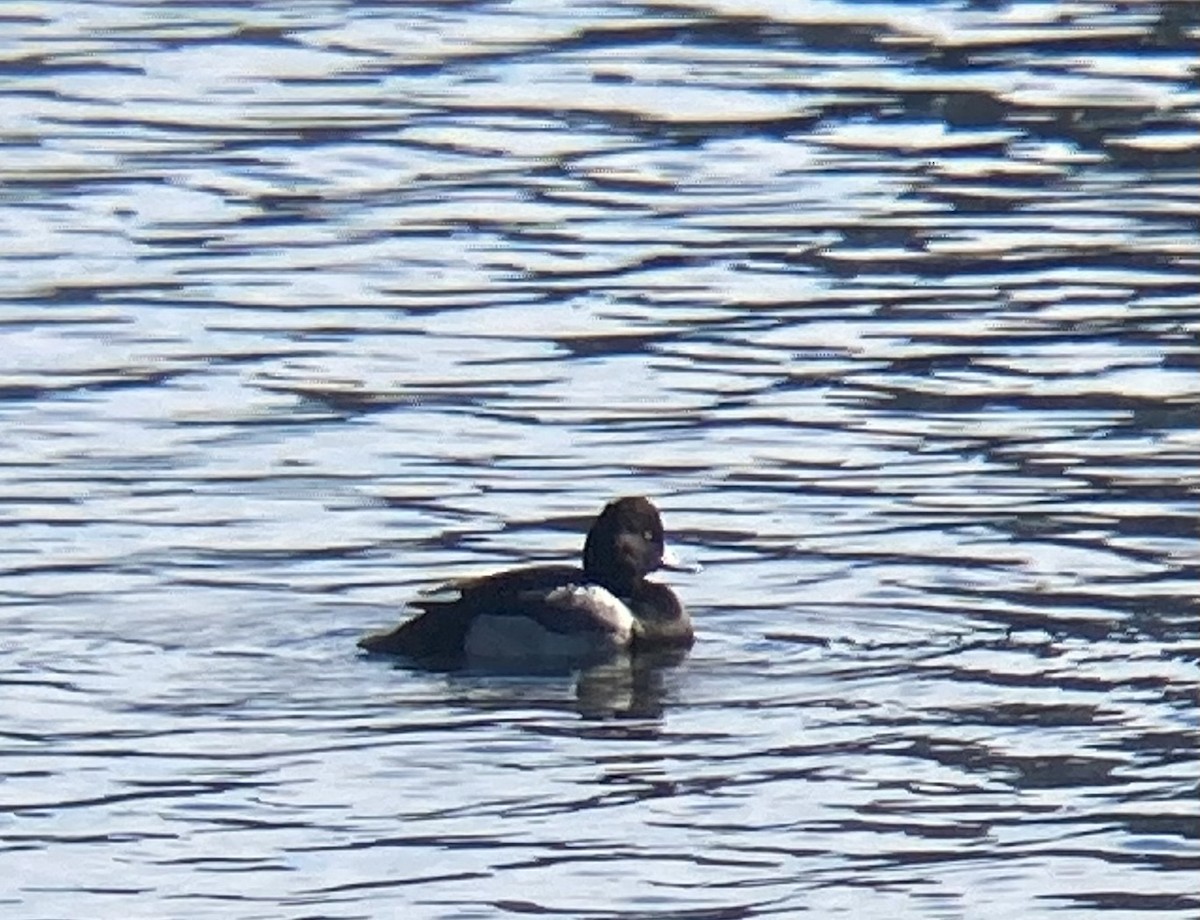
<point x="892" y="308"/>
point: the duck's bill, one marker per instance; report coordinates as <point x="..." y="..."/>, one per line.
<point x="672" y="563"/>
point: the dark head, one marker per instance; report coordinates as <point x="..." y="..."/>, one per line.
<point x="624" y="545"/>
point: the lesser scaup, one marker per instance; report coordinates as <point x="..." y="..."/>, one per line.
<point x="556" y="610"/>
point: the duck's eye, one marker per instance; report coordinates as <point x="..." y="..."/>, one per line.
<point x="648" y="536"/>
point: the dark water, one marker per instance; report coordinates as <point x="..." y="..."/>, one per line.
<point x="893" y="308"/>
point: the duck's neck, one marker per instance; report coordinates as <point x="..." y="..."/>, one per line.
<point x="603" y="565"/>
<point x="619" y="583"/>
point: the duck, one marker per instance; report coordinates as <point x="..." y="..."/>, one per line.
<point x="556" y="611"/>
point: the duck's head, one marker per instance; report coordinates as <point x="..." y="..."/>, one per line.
<point x="625" y="544"/>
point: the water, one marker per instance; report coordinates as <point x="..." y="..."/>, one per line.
<point x="892" y="308"/>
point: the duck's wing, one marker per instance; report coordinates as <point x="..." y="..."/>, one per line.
<point x="553" y="596"/>
<point x="584" y="608"/>
<point x="447" y="611"/>
<point x="495" y="595"/>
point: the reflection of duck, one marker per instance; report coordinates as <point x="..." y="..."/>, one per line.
<point x="627" y="685"/>
<point x="558" y="612"/>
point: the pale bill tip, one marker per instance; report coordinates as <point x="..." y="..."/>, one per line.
<point x="673" y="563"/>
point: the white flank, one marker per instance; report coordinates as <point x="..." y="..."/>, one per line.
<point x="515" y="636"/>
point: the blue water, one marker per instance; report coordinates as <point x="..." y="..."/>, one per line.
<point x="892" y="308"/>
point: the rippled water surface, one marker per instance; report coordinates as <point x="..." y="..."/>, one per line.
<point x="892" y="308"/>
